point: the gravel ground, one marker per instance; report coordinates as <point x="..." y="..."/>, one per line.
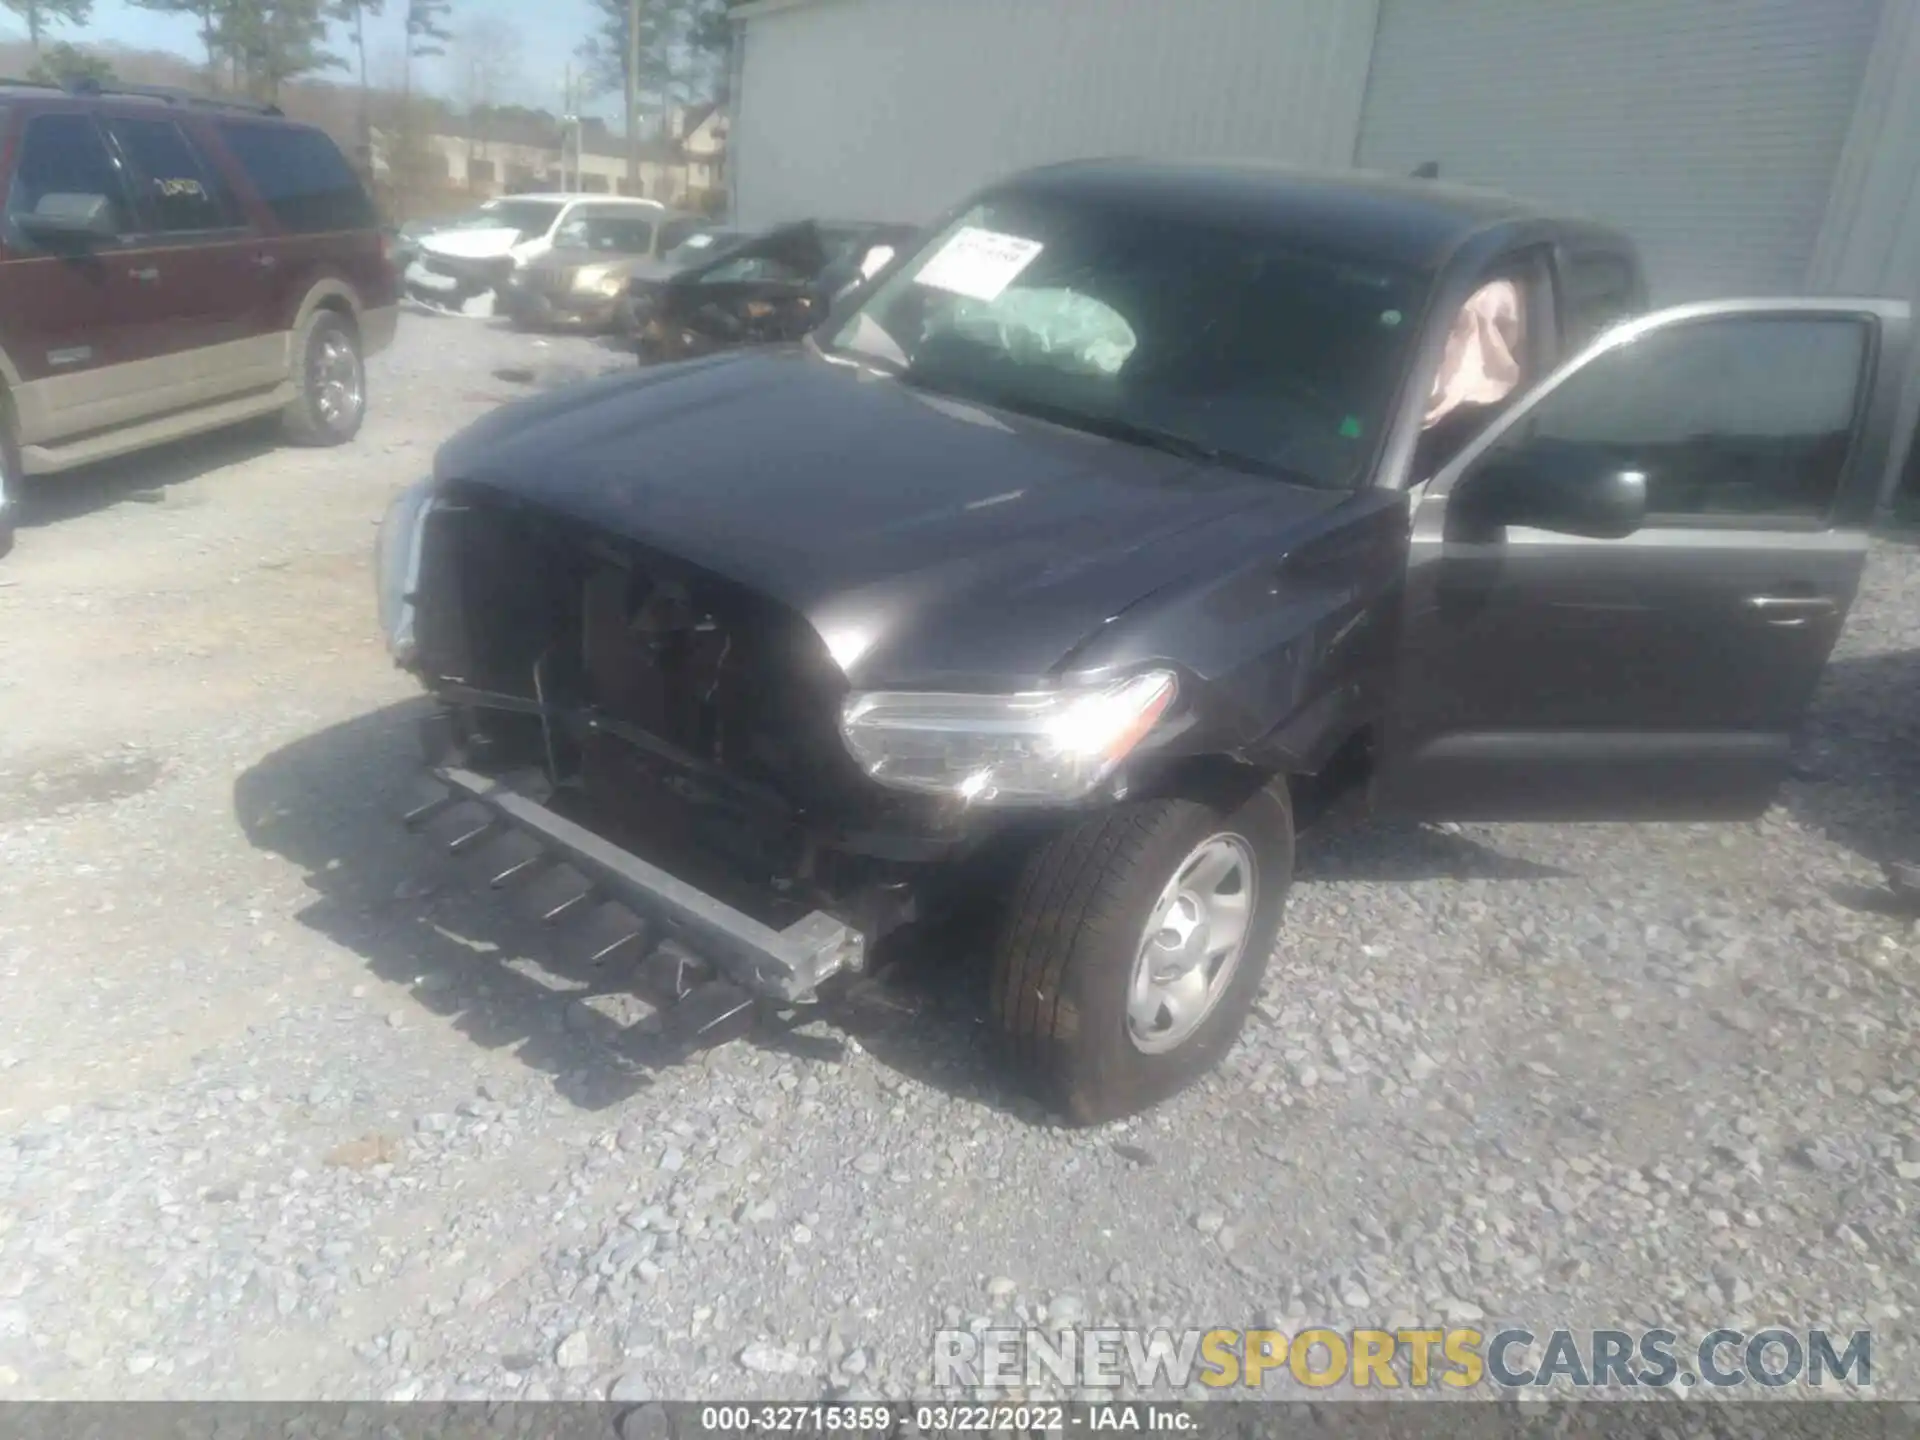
<point x="295" y="1107"/>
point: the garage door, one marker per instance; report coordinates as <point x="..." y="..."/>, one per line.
<point x="1709" y="130"/>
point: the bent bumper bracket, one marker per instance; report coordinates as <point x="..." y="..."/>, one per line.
<point x="786" y="965"/>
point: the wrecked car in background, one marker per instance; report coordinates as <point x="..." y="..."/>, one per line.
<point x="1140" y="505"/>
<point x="466" y="260"/>
<point x="763" y="289"/>
<point x="581" y="283"/>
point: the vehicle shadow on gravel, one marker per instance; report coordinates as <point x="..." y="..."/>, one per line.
<point x="1396" y="852"/>
<point x="1861" y="782"/>
<point x="142" y="478"/>
<point x="426" y="919"/>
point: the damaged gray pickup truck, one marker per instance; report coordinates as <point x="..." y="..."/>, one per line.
<point x="1138" y="509"/>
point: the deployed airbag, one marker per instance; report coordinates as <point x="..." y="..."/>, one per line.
<point x="1481" y="363"/>
<point x="1060" y="327"/>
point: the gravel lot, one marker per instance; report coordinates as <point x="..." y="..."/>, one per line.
<point x="293" y="1106"/>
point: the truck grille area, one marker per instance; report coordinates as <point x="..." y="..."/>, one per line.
<point x="676" y="696"/>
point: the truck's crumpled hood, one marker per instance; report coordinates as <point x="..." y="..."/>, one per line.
<point x="924" y="538"/>
<point x="471" y="244"/>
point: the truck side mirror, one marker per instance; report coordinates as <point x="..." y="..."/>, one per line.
<point x="1566" y="492"/>
<point x="69" y="219"/>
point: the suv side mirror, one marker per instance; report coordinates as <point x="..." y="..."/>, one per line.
<point x="69" y="219"/>
<point x="1573" y="493"/>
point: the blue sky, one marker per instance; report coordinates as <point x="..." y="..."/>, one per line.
<point x="548" y="31"/>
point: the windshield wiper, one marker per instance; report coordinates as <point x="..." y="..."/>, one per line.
<point x="1148" y="437"/>
<point x="893" y="368"/>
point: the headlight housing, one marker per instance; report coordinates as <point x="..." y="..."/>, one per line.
<point x="598" y="280"/>
<point x="1005" y="749"/>
<point x="396" y="566"/>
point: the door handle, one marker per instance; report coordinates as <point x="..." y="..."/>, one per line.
<point x="146" y="276"/>
<point x="265" y="262"/>
<point x="1790" y="611"/>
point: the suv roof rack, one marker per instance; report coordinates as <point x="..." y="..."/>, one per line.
<point x="172" y="94"/>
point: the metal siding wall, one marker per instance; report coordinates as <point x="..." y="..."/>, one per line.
<point x="1870" y="244"/>
<point x="897" y="108"/>
<point x="1709" y="130"/>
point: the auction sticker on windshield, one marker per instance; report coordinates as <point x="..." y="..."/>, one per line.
<point x="978" y="263"/>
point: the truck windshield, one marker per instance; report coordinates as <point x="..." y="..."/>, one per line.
<point x="1223" y="344"/>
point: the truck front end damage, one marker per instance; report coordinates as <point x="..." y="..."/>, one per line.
<point x="668" y="735"/>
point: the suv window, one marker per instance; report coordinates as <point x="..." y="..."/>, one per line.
<point x="674" y="232"/>
<point x="1733" y="416"/>
<point x="301" y="175"/>
<point x="181" y="192"/>
<point x="620" y="234"/>
<point x="1596" y="292"/>
<point x="64" y="155"/>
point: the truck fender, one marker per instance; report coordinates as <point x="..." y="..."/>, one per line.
<point x="1285" y="649"/>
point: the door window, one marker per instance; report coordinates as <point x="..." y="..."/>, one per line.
<point x="301" y="175"/>
<point x="674" y="233"/>
<point x="616" y="234"/>
<point x="179" y="190"/>
<point x="1596" y="292"/>
<point x="64" y="155"/>
<point x="1487" y="361"/>
<point x="1744" y="416"/>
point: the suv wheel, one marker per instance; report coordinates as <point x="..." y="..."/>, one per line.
<point x="10" y="477"/>
<point x="329" y="381"/>
<point x="1134" y="948"/>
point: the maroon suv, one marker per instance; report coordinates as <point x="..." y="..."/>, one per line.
<point x="171" y="264"/>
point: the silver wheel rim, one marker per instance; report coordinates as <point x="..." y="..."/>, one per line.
<point x="336" y="381"/>
<point x="1191" y="946"/>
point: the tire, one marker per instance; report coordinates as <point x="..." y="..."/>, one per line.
<point x="329" y="381"/>
<point x="12" y="482"/>
<point x="1064" y="965"/>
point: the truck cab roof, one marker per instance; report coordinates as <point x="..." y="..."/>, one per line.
<point x="1418" y="224"/>
<point x="568" y="197"/>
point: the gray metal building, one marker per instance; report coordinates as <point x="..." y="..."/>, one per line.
<point x="1751" y="146"/>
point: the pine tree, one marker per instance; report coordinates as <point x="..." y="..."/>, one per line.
<point x="39" y="14"/>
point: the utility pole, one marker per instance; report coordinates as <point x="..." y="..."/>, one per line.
<point x="568" y="127"/>
<point x="633" y="96"/>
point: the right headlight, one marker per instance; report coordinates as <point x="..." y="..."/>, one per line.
<point x="1050" y="746"/>
<point x="598" y="280"/>
<point x="396" y="566"/>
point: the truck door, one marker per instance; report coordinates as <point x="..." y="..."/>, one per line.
<point x="1621" y="596"/>
<point x="201" y="299"/>
<point x="61" y="319"/>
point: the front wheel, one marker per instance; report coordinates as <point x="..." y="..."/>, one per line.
<point x="10" y="477"/>
<point x="329" y="382"/>
<point x="1135" y="945"/>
